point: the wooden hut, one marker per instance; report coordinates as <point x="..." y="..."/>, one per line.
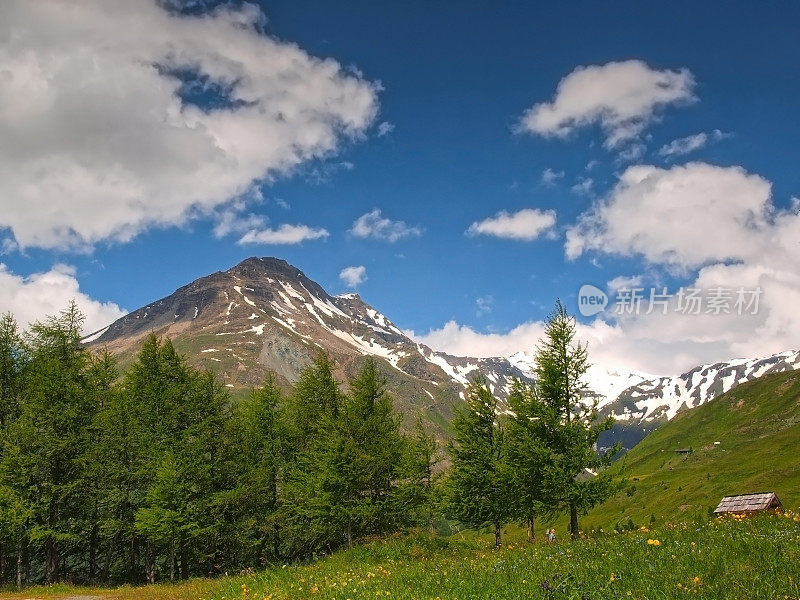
<point x="748" y="503"/>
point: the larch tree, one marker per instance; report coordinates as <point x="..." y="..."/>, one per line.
<point x="50" y="435"/>
<point x="371" y="453"/>
<point x="568" y="422"/>
<point x="478" y="486"/>
<point x="259" y="438"/>
<point x="527" y="458"/>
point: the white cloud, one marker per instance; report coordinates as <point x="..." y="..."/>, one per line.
<point x="385" y="128"/>
<point x="691" y="143"/>
<point x="715" y="226"/>
<point x="353" y="276"/>
<point x="285" y="234"/>
<point x="374" y="225"/>
<point x="97" y="144"/>
<point x="719" y="227"/>
<point x="622" y="281"/>
<point x="607" y="344"/>
<point x="525" y="225"/>
<point x="632" y="153"/>
<point x="622" y="97"/>
<point x="583" y="187"/>
<point x="484" y="304"/>
<point x="37" y="296"/>
<point x="231" y="221"/>
<point x="684" y="217"/>
<point x="549" y="176"/>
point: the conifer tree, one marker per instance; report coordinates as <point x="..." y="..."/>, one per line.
<point x="477" y="487"/>
<point x="201" y="450"/>
<point x="372" y="452"/>
<point x="49" y="436"/>
<point x="102" y="391"/>
<point x="313" y="487"/>
<point x="118" y="461"/>
<point x="12" y="360"/>
<point x="259" y="444"/>
<point x="527" y="458"/>
<point x="158" y="385"/>
<point x="315" y="399"/>
<point x="568" y="421"/>
<point x="417" y="493"/>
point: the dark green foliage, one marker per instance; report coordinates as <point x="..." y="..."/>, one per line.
<point x="258" y="435"/>
<point x="342" y="479"/>
<point x="154" y="474"/>
<point x="417" y="495"/>
<point x="574" y="476"/>
<point x="526" y="458"/>
<point x="12" y="362"/>
<point x="43" y="446"/>
<point x="478" y="483"/>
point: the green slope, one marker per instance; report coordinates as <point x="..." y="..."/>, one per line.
<point x="757" y="425"/>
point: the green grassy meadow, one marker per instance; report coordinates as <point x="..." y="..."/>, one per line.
<point x="747" y="559"/>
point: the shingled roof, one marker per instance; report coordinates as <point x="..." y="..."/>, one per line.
<point x="747" y="503"/>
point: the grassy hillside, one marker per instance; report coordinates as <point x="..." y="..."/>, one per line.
<point x="728" y="559"/>
<point x="757" y="425"/>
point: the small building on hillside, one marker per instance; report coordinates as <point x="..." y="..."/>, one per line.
<point x="684" y="450"/>
<point x="748" y="503"/>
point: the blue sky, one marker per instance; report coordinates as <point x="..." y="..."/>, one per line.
<point x="440" y="148"/>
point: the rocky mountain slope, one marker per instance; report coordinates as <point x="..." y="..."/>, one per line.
<point x="264" y="314"/>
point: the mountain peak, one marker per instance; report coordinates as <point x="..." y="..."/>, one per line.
<point x="255" y="266"/>
<point x="265" y="314"/>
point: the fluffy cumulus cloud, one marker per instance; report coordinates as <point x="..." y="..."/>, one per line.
<point x="685" y="216"/>
<point x="622" y="97"/>
<point x="524" y="225"/>
<point x="101" y="138"/>
<point x="353" y="276"/>
<point x="375" y="226"/>
<point x="718" y="230"/>
<point x="32" y="298"/>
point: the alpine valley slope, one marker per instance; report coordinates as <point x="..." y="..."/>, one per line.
<point x="265" y="314"/>
<point x="743" y="441"/>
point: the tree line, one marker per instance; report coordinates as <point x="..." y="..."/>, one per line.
<point x="155" y="473"/>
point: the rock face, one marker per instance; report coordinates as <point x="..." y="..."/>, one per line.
<point x="264" y="314"/>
